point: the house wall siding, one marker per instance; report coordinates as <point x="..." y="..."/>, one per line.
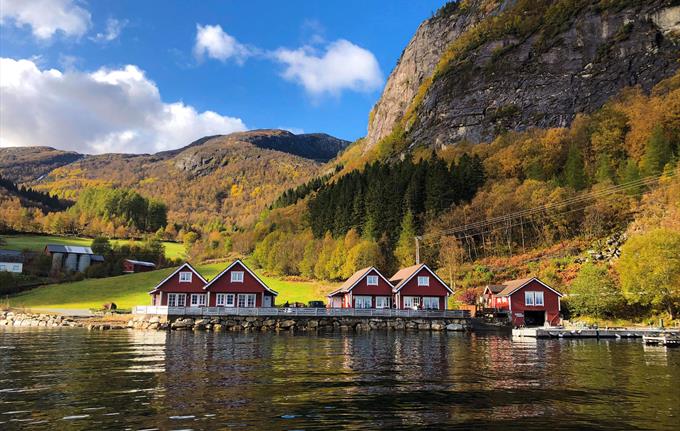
<point x="435" y="288"/>
<point x="249" y="285"/>
<point x="550" y="304"/>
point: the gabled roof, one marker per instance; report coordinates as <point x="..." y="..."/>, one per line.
<point x="181" y="267"/>
<point x="11" y="256"/>
<point x="513" y="286"/>
<point x="494" y="288"/>
<point x="404" y="275"/>
<point x="224" y="271"/>
<point x="75" y="249"/>
<point x="356" y="278"/>
<point x="141" y="263"/>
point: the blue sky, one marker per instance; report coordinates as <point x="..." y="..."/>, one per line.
<point x="142" y="76"/>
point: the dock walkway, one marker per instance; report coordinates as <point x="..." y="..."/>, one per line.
<point x="592" y="333"/>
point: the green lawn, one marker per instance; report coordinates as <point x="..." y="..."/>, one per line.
<point x="37" y="243"/>
<point x="132" y="289"/>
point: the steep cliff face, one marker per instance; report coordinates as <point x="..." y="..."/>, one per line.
<point x="515" y="65"/>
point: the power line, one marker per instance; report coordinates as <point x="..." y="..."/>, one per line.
<point x="584" y="197"/>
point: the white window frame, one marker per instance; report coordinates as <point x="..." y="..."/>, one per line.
<point x="237" y="276"/>
<point x="3" y="267"/>
<point x="363" y="301"/>
<point x="529" y="299"/>
<point x="382" y="301"/>
<point x="411" y="301"/>
<point x="372" y="280"/>
<point x="16" y="267"/>
<point x="429" y="301"/>
<point x="249" y="300"/>
<point x="538" y="303"/>
<point x="423" y="280"/>
<point x="183" y="276"/>
<point x="225" y="300"/>
<point x="175" y="298"/>
<point x="198" y="300"/>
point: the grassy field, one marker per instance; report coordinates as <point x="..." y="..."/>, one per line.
<point x="132" y="289"/>
<point x="37" y="243"/>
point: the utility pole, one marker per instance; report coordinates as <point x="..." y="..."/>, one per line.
<point x="418" y="239"/>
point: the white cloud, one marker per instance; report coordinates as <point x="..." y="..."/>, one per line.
<point x="213" y="42"/>
<point x="109" y="110"/>
<point x="342" y="66"/>
<point x="46" y="17"/>
<point x="113" y="29"/>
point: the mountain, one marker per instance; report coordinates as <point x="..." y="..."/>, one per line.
<point x="228" y="178"/>
<point x="26" y="164"/>
<point x="478" y="68"/>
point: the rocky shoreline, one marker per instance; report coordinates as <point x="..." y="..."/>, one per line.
<point x="236" y="323"/>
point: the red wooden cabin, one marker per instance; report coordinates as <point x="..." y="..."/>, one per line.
<point x="418" y="287"/>
<point x="366" y="288"/>
<point x="130" y="266"/>
<point x="238" y="286"/>
<point x="532" y="302"/>
<point x="492" y="300"/>
<point x="182" y="288"/>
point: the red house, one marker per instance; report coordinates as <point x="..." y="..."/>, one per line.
<point x="366" y="288"/>
<point x="130" y="266"/>
<point x="532" y="302"/>
<point x="182" y="288"/>
<point x="418" y="287"/>
<point x="238" y="286"/>
<point x="492" y="300"/>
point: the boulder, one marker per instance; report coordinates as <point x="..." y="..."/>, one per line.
<point x="455" y="327"/>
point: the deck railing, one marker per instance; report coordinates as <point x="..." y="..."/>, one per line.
<point x="297" y="312"/>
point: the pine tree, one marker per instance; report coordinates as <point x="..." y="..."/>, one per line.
<point x="405" y="250"/>
<point x="658" y="152"/>
<point x="574" y="169"/>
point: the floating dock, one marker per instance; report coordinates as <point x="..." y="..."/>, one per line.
<point x="544" y="332"/>
<point x="668" y="340"/>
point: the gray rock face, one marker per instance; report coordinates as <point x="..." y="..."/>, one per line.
<point x="516" y="84"/>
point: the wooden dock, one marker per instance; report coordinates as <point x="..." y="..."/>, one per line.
<point x="668" y="340"/>
<point x="612" y="333"/>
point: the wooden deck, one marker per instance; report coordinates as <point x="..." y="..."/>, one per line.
<point x="299" y="312"/>
<point x="668" y="340"/>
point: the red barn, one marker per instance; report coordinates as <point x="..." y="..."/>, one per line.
<point x="238" y="286"/>
<point x="182" y="288"/>
<point x="130" y="266"/>
<point x="366" y="288"/>
<point x="532" y="302"/>
<point x="418" y="287"/>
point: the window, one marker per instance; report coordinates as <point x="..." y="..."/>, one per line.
<point x="246" y="300"/>
<point x="431" y="303"/>
<point x="225" y="300"/>
<point x="529" y="298"/>
<point x="363" y="302"/>
<point x="423" y="281"/>
<point x="411" y="301"/>
<point x="3" y="267"/>
<point x="16" y="268"/>
<point x="185" y="277"/>
<point x="382" y="302"/>
<point x="538" y="298"/>
<point x="372" y="280"/>
<point x="176" y="300"/>
<point x="198" y="300"/>
<point x="237" y="276"/>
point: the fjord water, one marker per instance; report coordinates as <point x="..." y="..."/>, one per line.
<point x="74" y="379"/>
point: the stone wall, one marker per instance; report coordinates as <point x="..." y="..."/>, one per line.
<point x="328" y="324"/>
<point x="11" y="318"/>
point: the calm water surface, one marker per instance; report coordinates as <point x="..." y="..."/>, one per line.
<point x="73" y="379"/>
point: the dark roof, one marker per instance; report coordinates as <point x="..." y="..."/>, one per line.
<point x="495" y="288"/>
<point x="96" y="258"/>
<point x="74" y="249"/>
<point x="11" y="256"/>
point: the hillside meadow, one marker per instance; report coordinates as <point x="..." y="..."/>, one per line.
<point x="132" y="289"/>
<point x="173" y="250"/>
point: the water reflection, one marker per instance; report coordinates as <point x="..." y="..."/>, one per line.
<point x="65" y="378"/>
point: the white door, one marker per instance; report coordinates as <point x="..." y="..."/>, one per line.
<point x="267" y="301"/>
